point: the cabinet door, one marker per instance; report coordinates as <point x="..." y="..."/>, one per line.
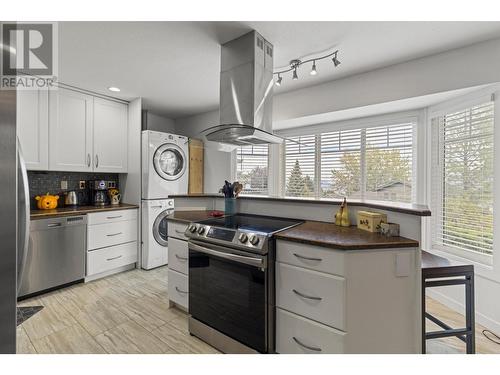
<point x="110" y="136"/>
<point x="33" y="127"/>
<point x="70" y="131"/>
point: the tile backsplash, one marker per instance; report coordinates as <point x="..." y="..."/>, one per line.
<point x="43" y="182"/>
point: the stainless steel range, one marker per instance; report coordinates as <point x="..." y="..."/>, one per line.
<point x="231" y="281"/>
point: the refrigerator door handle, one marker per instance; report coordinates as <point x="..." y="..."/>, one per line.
<point x="24" y="210"/>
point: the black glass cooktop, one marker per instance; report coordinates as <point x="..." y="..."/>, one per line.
<point x="252" y="223"/>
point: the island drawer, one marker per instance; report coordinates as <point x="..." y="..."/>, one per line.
<point x="313" y="257"/>
<point x="109" y="258"/>
<point x="298" y="335"/>
<point x="111" y="234"/>
<point x="176" y="230"/>
<point x="311" y="294"/>
<point x="111" y="216"/>
<point x="178" y="288"/>
<point x="178" y="255"/>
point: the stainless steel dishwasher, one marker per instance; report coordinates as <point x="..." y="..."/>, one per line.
<point x="56" y="254"/>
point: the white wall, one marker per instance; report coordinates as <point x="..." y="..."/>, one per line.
<point x="217" y="163"/>
<point x="158" y="123"/>
<point x="464" y="67"/>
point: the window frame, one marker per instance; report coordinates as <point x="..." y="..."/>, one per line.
<point x="234" y="173"/>
<point x="486" y="262"/>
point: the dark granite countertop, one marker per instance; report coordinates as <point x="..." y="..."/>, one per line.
<point x="406" y="208"/>
<point x="189" y="216"/>
<point x="80" y="210"/>
<point x="343" y="238"/>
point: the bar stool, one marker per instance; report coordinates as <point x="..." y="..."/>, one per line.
<point x="439" y="271"/>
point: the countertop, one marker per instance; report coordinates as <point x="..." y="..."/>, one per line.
<point x="80" y="210"/>
<point x="343" y="238"/>
<point x="189" y="216"/>
<point x="406" y="208"/>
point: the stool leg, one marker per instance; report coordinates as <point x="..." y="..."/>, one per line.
<point x="469" y="314"/>
<point x="423" y="316"/>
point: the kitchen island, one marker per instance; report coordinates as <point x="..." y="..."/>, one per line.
<point x="337" y="289"/>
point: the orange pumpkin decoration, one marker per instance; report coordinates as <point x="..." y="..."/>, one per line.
<point x="47" y="202"/>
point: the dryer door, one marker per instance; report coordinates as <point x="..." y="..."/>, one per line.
<point x="160" y="227"/>
<point x="170" y="161"/>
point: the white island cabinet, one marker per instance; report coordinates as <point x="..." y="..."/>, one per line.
<point x="178" y="265"/>
<point x="346" y="301"/>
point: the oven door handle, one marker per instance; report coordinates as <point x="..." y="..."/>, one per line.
<point x="251" y="261"/>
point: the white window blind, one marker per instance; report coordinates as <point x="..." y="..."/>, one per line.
<point x="252" y="169"/>
<point x="367" y="162"/>
<point x="462" y="193"/>
<point x="341" y="164"/>
<point x="300" y="161"/>
<point x="389" y="154"/>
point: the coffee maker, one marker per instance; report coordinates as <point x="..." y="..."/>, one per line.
<point x="99" y="192"/>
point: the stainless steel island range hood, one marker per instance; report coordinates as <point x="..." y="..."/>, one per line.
<point x="246" y="93"/>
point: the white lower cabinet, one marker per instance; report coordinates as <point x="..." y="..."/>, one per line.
<point x="298" y="335"/>
<point x="109" y="258"/>
<point x="178" y="265"/>
<point x="178" y="288"/>
<point x="111" y="242"/>
<point x="346" y="301"/>
<point x="178" y="255"/>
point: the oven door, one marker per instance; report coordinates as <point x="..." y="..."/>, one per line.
<point x="228" y="292"/>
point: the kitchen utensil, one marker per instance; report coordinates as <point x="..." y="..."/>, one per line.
<point x="71" y="198"/>
<point x="115" y="199"/>
<point x="47" y="201"/>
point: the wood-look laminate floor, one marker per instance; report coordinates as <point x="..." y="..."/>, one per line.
<point x="129" y="313"/>
<point x="123" y="313"/>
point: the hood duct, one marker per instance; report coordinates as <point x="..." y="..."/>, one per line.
<point x="246" y="93"/>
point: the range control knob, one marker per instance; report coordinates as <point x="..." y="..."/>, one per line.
<point x="192" y="228"/>
<point x="243" y="238"/>
<point x="254" y="240"/>
<point x="201" y="230"/>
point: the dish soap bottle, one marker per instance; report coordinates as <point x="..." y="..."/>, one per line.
<point x="344" y="221"/>
<point x="338" y="215"/>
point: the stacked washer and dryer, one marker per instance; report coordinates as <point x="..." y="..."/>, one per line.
<point x="165" y="171"/>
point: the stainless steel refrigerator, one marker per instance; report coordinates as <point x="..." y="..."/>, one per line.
<point x="8" y="222"/>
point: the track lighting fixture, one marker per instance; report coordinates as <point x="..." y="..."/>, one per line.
<point x="313" y="70"/>
<point x="296" y="63"/>
<point x="278" y="81"/>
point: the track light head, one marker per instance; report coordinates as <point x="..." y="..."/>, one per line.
<point x="295" y="76"/>
<point x="313" y="70"/>
<point x="278" y="81"/>
<point x="336" y="61"/>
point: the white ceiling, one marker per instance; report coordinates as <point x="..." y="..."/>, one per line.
<point x="174" y="66"/>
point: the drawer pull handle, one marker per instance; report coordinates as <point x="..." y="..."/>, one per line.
<point x="306" y="296"/>
<point x="180" y="291"/>
<point x="119" y="256"/>
<point x="114" y="234"/>
<point x="313" y="348"/>
<point x="181" y="258"/>
<point x="307" y="258"/>
<point x="179" y="231"/>
<point x="113" y="217"/>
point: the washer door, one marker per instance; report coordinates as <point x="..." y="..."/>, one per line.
<point x="160" y="228"/>
<point x="169" y="161"/>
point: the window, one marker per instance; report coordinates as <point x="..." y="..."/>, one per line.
<point x="369" y="162"/>
<point x="252" y="169"/>
<point x="300" y="164"/>
<point x="462" y="180"/>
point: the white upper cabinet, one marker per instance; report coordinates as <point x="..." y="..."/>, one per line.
<point x="86" y="133"/>
<point x="110" y="136"/>
<point x="70" y="131"/>
<point x="33" y="127"/>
